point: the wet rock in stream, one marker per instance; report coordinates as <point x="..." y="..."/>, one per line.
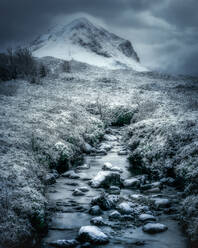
<point x="106" y="179"/>
<point x="93" y="235"/>
<point x="109" y="167"/>
<point x="64" y="243"/>
<point x="105" y="201"/>
<point x="153" y="228"/>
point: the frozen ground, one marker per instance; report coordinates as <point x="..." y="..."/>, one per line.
<point x="45" y="126"/>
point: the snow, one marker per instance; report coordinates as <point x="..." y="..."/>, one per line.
<point x="64" y="42"/>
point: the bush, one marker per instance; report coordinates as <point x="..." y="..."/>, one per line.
<point x="19" y="64"/>
<point x="66" y="67"/>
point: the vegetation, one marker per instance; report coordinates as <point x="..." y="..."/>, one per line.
<point x="20" y="63"/>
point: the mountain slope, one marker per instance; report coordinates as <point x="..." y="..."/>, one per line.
<point x="85" y="42"/>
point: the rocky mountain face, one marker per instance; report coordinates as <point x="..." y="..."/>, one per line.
<point x="85" y="42"/>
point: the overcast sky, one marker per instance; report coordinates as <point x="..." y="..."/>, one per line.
<point x="163" y="32"/>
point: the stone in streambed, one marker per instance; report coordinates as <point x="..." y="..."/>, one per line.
<point x="115" y="215"/>
<point x="71" y="175"/>
<point x="93" y="235"/>
<point x="109" y="167"/>
<point x="98" y="221"/>
<point x="78" y="192"/>
<point x="125" y="208"/>
<point x="106" y="179"/>
<point x="115" y="190"/>
<point x="131" y="183"/>
<point x="122" y="153"/>
<point x="95" y="210"/>
<point x="146" y="217"/>
<point x="105" y="201"/>
<point x="154" y="228"/>
<point x="64" y="243"/>
<point x="161" y="203"/>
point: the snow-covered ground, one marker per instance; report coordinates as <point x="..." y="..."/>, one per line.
<point x="46" y="125"/>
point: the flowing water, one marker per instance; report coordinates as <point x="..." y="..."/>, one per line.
<point x="69" y="212"/>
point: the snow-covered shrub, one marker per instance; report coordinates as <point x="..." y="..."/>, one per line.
<point x="189" y="217"/>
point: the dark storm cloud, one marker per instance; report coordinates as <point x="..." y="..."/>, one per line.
<point x="164" y="32"/>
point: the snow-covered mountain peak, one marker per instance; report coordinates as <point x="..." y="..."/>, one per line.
<point x="83" y="41"/>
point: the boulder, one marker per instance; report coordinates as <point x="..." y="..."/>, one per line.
<point x="154" y="228"/>
<point x="131" y="183"/>
<point x="106" y="179"/>
<point x="93" y="235"/>
<point x="109" y="167"/>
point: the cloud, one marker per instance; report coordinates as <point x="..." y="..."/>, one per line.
<point x="164" y="32"/>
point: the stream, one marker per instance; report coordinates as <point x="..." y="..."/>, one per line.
<point x="70" y="211"/>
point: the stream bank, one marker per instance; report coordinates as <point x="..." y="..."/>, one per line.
<point x="129" y="209"/>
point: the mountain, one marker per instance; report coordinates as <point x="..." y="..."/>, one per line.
<point x="82" y="41"/>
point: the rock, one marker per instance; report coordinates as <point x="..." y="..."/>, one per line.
<point x="83" y="167"/>
<point x="146" y="217"/>
<point x="86" y="245"/>
<point x="153" y="190"/>
<point x="169" y="181"/>
<point x="93" y="235"/>
<point x="105" y="201"/>
<point x="126" y="217"/>
<point x="50" y="179"/>
<point x="64" y="243"/>
<point x="98" y="221"/>
<point x="109" y="167"/>
<point x="95" y="210"/>
<point x="115" y="215"/>
<point x="137" y="197"/>
<point x="72" y="183"/>
<point x="78" y="192"/>
<point x="125" y="208"/>
<point x="131" y="183"/>
<point x="106" y="179"/>
<point x="114" y="190"/>
<point x="88" y="148"/>
<point x="106" y="147"/>
<point x="71" y="174"/>
<point x="83" y="189"/>
<point x="110" y="137"/>
<point x="161" y="203"/>
<point x="154" y="228"/>
<point x="122" y="153"/>
<point x="101" y="152"/>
